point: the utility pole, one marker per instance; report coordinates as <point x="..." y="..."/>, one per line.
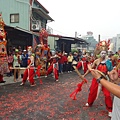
<point x="98" y="38"/>
<point x="75" y="34"/>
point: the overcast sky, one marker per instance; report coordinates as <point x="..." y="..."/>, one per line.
<point x="70" y="16"/>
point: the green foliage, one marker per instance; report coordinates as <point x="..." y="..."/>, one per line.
<point x="74" y="50"/>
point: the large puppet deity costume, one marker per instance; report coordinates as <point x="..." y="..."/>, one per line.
<point x="3" y="51"/>
<point x="103" y="65"/>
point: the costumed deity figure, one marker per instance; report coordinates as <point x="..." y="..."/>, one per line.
<point x="45" y="50"/>
<point x="40" y="63"/>
<point x="29" y="72"/>
<point x="103" y="65"/>
<point x="53" y="66"/>
<point x="38" y="51"/>
<point x="84" y="61"/>
<point x="3" y="52"/>
<point x="43" y="36"/>
<point x="45" y="55"/>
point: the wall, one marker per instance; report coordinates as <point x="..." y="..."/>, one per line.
<point x="16" y="6"/>
<point x="52" y="42"/>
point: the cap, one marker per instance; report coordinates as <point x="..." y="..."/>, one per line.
<point x="16" y="50"/>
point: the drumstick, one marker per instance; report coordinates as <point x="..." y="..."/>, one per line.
<point x="78" y="73"/>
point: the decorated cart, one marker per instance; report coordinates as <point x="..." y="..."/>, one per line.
<point x="3" y="51"/>
<point x="42" y="52"/>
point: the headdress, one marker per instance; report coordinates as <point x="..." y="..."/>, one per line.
<point x="102" y="46"/>
<point x="2" y="31"/>
<point x="111" y="47"/>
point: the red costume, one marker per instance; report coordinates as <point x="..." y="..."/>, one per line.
<point x="85" y="63"/>
<point x="29" y="72"/>
<point x="53" y="68"/>
<point x="92" y="59"/>
<point x="94" y="89"/>
<point x="79" y="64"/>
<point x="104" y="66"/>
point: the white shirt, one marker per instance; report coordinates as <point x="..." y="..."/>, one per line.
<point x="116" y="109"/>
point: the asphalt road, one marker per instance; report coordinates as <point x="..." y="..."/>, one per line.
<point x="50" y="100"/>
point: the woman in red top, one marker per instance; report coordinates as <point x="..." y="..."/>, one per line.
<point x="65" y="62"/>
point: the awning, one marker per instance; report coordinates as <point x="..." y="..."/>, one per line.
<point x="42" y="13"/>
<point x="18" y="37"/>
<point x="74" y="40"/>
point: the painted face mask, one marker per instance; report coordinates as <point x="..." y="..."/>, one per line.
<point x="103" y="54"/>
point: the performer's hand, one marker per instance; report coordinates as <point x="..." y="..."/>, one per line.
<point x="113" y="76"/>
<point x="94" y="72"/>
<point x="28" y="67"/>
<point x="83" y="76"/>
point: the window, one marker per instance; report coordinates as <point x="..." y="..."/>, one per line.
<point x="14" y="18"/>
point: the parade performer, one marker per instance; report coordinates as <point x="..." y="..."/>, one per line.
<point x="3" y="52"/>
<point x="29" y="72"/>
<point x="84" y="61"/>
<point x="43" y="36"/>
<point x="53" y="66"/>
<point x="45" y="50"/>
<point x="104" y="65"/>
<point x="45" y="55"/>
<point x="79" y="64"/>
<point x="92" y="58"/>
<point x="38" y="51"/>
<point x="40" y="61"/>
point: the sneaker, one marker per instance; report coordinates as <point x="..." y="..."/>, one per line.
<point x="45" y="76"/>
<point x="2" y="81"/>
<point x="22" y="84"/>
<point x="110" y="114"/>
<point x="32" y="85"/>
<point x="87" y="105"/>
<point x="68" y="71"/>
<point x="57" y="80"/>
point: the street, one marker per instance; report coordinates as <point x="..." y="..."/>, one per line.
<point x="50" y="100"/>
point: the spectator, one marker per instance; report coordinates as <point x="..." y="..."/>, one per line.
<point x="61" y="62"/>
<point x="16" y="63"/>
<point x="24" y="59"/>
<point x="10" y="63"/>
<point x="65" y="62"/>
<point x="70" y="59"/>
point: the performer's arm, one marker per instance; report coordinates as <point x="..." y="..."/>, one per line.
<point x="113" y="88"/>
<point x="32" y="60"/>
<point x="93" y="66"/>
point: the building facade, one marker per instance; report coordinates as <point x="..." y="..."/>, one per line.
<point x="118" y="42"/>
<point x="22" y="18"/>
<point x="91" y="40"/>
<point x="26" y="14"/>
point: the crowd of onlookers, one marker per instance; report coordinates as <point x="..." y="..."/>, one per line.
<point x="66" y="59"/>
<point x="18" y="58"/>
